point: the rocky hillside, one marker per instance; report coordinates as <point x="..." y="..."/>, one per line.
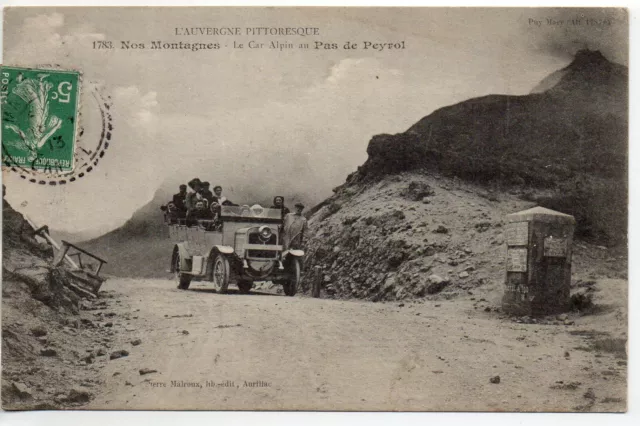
<point x="421" y="235"/>
<point x="423" y="216"/>
<point x="46" y="328"/>
<point x="565" y="145"/>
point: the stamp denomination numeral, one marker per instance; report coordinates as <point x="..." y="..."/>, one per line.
<point x="63" y="94"/>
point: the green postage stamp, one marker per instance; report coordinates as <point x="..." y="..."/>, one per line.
<point x="39" y="118"/>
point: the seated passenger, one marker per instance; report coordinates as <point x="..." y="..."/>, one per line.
<point x="206" y="192"/>
<point x="200" y="212"/>
<point x="257" y="210"/>
<point x="179" y="201"/>
<point x="172" y="213"/>
<point x="278" y="203"/>
<point x="167" y="216"/>
<point x="219" y="198"/>
<point x="193" y="197"/>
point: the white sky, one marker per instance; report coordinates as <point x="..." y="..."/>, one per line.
<point x="263" y="121"/>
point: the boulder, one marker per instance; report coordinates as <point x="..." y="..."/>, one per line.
<point x="78" y="395"/>
<point x="39" y="331"/>
<point x="436" y="284"/>
<point x="21" y="390"/>
<point x="429" y="251"/>
<point x="118" y="354"/>
<point x="441" y="229"/>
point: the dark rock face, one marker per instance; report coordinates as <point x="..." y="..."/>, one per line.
<point x="570" y="139"/>
<point x="417" y="191"/>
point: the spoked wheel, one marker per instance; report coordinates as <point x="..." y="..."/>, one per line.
<point x="292" y="283"/>
<point x="183" y="280"/>
<point x="245" y="286"/>
<point x="220" y="273"/>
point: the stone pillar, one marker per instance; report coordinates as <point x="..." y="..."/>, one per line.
<point x="538" y="272"/>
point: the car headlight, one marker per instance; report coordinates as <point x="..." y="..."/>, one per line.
<point x="265" y="232"/>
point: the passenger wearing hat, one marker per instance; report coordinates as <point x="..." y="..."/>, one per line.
<point x="294" y="227"/>
<point x="206" y="192"/>
<point x="179" y="201"/>
<point x="193" y="197"/>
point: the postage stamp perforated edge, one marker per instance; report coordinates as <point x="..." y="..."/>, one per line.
<point x="43" y="167"/>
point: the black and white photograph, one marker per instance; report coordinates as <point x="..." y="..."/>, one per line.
<point x="417" y="209"/>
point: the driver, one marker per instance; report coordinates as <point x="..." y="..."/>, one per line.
<point x="200" y="212"/>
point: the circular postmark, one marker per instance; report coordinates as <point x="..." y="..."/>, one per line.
<point x="44" y="124"/>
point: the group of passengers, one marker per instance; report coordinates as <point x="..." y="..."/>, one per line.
<point x="201" y="204"/>
<point x="198" y="204"/>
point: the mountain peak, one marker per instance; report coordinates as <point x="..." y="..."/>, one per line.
<point x="586" y="57"/>
<point x="590" y="70"/>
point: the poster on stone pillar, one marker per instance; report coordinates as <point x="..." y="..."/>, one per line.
<point x="304" y="208"/>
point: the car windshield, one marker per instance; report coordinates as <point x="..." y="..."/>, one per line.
<point x="256" y="211"/>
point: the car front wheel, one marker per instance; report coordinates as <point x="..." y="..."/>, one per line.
<point x="220" y="273"/>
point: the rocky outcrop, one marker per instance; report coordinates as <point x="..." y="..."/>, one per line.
<point x="389" y="240"/>
<point x="28" y="260"/>
<point x="386" y="243"/>
<point x="565" y="145"/>
<point x="42" y="323"/>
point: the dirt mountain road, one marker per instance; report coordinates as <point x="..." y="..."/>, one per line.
<point x="264" y="351"/>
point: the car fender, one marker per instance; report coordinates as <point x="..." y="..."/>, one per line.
<point x="183" y="251"/>
<point x="294" y="253"/>
<point x="223" y="249"/>
<point x="215" y="249"/>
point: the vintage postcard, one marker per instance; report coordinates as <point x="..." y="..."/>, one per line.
<point x="335" y="209"/>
